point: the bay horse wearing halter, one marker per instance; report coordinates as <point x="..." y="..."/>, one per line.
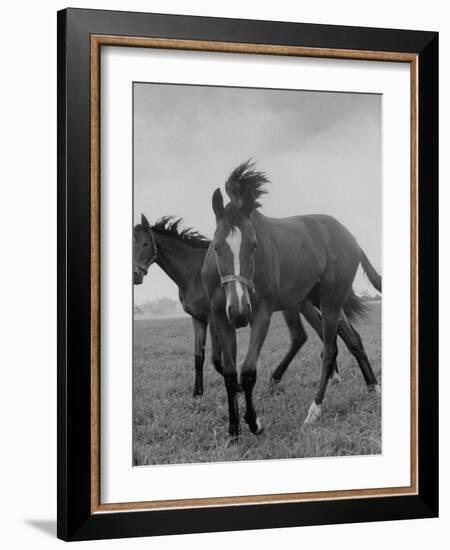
<point x="257" y="265"/>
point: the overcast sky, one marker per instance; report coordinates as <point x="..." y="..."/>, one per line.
<point x="320" y="150"/>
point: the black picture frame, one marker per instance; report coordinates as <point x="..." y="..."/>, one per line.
<point x="75" y="518"/>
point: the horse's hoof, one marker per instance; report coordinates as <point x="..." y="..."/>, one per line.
<point x="375" y="388"/>
<point x="234" y="432"/>
<point x="218" y="368"/>
<point x="238" y="388"/>
<point x="335" y="378"/>
<point x="198" y="393"/>
<point x="313" y="414"/>
<point x="255" y="426"/>
<point x="274" y="385"/>
<point x="259" y="427"/>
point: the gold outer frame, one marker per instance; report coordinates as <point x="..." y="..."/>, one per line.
<point x="97" y="41"/>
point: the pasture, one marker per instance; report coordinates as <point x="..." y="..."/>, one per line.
<point x="172" y="427"/>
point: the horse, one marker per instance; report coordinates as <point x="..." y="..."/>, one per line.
<point x="180" y="253"/>
<point x="257" y="265"/>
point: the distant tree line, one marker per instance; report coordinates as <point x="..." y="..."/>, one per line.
<point x="161" y="307"/>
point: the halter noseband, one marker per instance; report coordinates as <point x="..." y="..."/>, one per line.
<point x="142" y="267"/>
<point x="238" y="278"/>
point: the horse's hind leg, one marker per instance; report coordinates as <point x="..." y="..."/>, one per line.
<point x="200" y="339"/>
<point x="298" y="339"/>
<point x="353" y="341"/>
<point x="314" y="318"/>
<point x="330" y="318"/>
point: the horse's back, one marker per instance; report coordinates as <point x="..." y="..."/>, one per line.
<point x="304" y="250"/>
<point x="319" y="229"/>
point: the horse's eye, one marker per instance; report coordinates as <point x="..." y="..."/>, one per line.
<point x="217" y="250"/>
<point x="145" y="244"/>
<point x="255" y="244"/>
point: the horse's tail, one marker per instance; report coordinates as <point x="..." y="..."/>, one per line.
<point x="354" y="307"/>
<point x="370" y="271"/>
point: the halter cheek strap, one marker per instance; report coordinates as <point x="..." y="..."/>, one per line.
<point x="238" y="278"/>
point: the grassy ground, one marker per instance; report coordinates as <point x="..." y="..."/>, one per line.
<point x="170" y="426"/>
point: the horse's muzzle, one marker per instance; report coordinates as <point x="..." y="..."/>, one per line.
<point x="139" y="272"/>
<point x="237" y="318"/>
<point x="138" y="277"/>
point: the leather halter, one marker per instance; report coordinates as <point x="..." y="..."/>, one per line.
<point x="238" y="278"/>
<point x="142" y="267"/>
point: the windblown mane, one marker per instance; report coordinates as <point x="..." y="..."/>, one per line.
<point x="246" y="183"/>
<point x="170" y="225"/>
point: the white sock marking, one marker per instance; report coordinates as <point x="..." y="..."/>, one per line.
<point x="259" y="425"/>
<point x="314" y="412"/>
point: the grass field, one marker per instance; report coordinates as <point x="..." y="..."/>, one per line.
<point x="170" y="426"/>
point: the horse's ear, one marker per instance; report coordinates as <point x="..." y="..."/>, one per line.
<point x="144" y="222"/>
<point x="217" y="203"/>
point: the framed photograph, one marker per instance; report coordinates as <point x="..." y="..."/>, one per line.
<point x="248" y="298"/>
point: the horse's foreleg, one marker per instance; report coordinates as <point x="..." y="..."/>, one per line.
<point x="353" y="341"/>
<point x="330" y="318"/>
<point x="216" y="348"/>
<point x="259" y="327"/>
<point x="199" y="354"/>
<point x="227" y="335"/>
<point x="298" y="339"/>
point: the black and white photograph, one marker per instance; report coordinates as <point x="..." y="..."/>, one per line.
<point x="257" y="271"/>
<point x="225" y="264"/>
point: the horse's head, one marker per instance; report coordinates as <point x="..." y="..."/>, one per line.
<point x="235" y="245"/>
<point x="144" y="250"/>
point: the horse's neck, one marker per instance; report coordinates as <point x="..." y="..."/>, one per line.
<point x="260" y="224"/>
<point x="180" y="261"/>
<point x="271" y="241"/>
